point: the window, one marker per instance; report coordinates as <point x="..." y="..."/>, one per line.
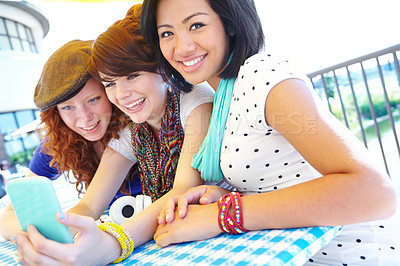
<point x="16" y="36"/>
<point x="19" y="147"/>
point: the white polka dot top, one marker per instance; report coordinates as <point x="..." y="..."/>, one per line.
<point x="254" y="157"/>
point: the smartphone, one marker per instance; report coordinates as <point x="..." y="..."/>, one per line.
<point x="35" y="202"/>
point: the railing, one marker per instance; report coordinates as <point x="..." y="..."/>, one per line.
<point x="364" y="93"/>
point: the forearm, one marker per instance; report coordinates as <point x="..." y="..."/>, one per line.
<point x="143" y="226"/>
<point x="9" y="224"/>
<point x="83" y="209"/>
<point x="335" y="199"/>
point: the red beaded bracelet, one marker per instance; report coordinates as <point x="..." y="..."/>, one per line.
<point x="228" y="222"/>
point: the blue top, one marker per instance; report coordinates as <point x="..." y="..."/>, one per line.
<point x="40" y="165"/>
<point x="2" y="187"/>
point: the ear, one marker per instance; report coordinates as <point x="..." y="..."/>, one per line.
<point x="230" y="31"/>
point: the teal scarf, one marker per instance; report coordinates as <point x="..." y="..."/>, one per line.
<point x="207" y="159"/>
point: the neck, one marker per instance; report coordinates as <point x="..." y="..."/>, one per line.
<point x="99" y="148"/>
<point x="155" y="121"/>
<point x="214" y="82"/>
<point x="155" y="127"/>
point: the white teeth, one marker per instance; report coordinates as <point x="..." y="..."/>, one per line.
<point x="135" y="103"/>
<point x="91" y="127"/>
<point x="193" y="62"/>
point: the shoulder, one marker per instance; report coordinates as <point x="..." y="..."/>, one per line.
<point x="123" y="145"/>
<point x="123" y="134"/>
<point x="199" y="91"/>
<point x="266" y="66"/>
<point x="202" y="93"/>
<point x="262" y="71"/>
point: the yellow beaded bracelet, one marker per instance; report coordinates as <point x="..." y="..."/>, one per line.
<point x="122" y="236"/>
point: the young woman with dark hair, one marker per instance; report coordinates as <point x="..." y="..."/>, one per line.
<point x="293" y="162"/>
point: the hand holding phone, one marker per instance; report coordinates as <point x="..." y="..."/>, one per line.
<point x="35" y="202"/>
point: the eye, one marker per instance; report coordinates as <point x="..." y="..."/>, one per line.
<point x="165" y="34"/>
<point x="132" y="76"/>
<point x="108" y="84"/>
<point x="94" y="99"/>
<point x="196" y="26"/>
<point x="66" y="108"/>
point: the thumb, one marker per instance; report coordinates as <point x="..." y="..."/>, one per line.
<point x="206" y="198"/>
<point x="211" y="195"/>
<point x="74" y="220"/>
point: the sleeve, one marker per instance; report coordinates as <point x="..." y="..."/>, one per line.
<point x="123" y="145"/>
<point x="40" y="164"/>
<point x="256" y="78"/>
<point x="201" y="93"/>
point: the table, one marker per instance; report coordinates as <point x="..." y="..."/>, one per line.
<point x="265" y="247"/>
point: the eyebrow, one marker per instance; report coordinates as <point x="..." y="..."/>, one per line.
<point x="107" y="79"/>
<point x="184" y="20"/>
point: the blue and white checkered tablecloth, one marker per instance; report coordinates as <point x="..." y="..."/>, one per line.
<point x="266" y="247"/>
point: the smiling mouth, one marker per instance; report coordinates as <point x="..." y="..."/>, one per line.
<point x="193" y="62"/>
<point x="91" y="127"/>
<point x="136" y="104"/>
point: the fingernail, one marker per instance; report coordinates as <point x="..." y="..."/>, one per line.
<point x="61" y="215"/>
<point x="17" y="258"/>
<point x="14" y="241"/>
<point x="166" y="217"/>
<point x="180" y="213"/>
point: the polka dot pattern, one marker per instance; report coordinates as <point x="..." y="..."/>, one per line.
<point x="364" y="244"/>
<point x="255" y="159"/>
<point x="255" y="156"/>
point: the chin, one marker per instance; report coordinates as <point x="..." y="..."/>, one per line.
<point x="136" y="119"/>
<point x="92" y="138"/>
<point x="193" y="79"/>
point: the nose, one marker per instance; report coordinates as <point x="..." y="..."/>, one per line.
<point x="122" y="90"/>
<point x="184" y="45"/>
<point x="85" y="114"/>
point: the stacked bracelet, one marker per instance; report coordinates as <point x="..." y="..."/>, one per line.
<point x="232" y="223"/>
<point x="122" y="236"/>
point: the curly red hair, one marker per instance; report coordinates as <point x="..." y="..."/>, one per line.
<point x="70" y="151"/>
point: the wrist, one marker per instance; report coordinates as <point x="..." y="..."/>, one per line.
<point x="112" y="249"/>
<point x="230" y="214"/>
<point x="123" y="239"/>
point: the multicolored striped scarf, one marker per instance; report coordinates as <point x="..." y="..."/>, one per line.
<point x="158" y="161"/>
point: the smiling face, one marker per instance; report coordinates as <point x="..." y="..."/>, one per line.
<point x="88" y="113"/>
<point x="193" y="39"/>
<point x="142" y="96"/>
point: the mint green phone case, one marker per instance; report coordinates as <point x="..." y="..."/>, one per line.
<point x="35" y="202"/>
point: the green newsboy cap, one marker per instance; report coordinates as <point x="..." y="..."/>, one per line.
<point x="64" y="74"/>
